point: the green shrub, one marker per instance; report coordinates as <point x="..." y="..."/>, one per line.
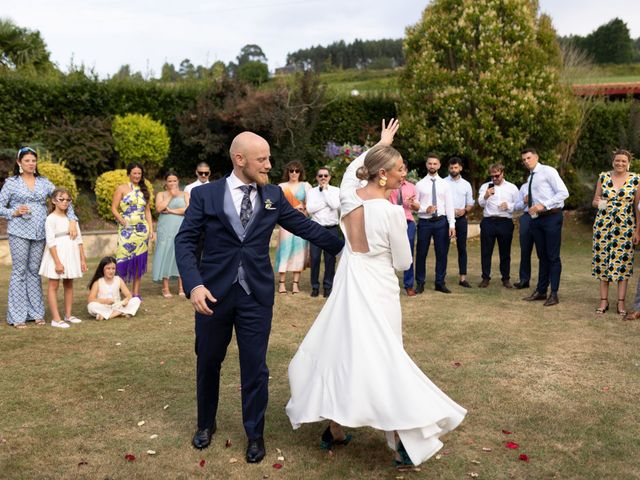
<point x="139" y="138"/>
<point x="106" y="185"/>
<point x="59" y="175"/>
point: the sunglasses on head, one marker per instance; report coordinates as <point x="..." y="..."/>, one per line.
<point x="294" y="170"/>
<point x="323" y="175"/>
<point x="204" y="174"/>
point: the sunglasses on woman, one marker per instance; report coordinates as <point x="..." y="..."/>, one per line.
<point x="294" y="170"/>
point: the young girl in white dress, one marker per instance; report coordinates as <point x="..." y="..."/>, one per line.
<point x="63" y="258"/>
<point x="351" y="367"/>
<point x="105" y="300"/>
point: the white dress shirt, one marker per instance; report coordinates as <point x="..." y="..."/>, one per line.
<point x="505" y="192"/>
<point x="547" y="187"/>
<point x="521" y="204"/>
<point x="324" y="206"/>
<point x="234" y="184"/>
<point x="461" y="192"/>
<point x="443" y="195"/>
<point x="193" y="185"/>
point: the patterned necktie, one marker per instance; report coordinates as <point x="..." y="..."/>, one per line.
<point x="246" y="209"/>
<point x="529" y="196"/>
<point x="399" y="200"/>
<point x="434" y="197"/>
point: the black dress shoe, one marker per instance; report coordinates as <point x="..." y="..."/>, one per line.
<point x="441" y="287"/>
<point x="315" y="292"/>
<point x="464" y="283"/>
<point x="552" y="300"/>
<point x="420" y="288"/>
<point x="327" y="292"/>
<point x="521" y="285"/>
<point x="536" y="296"/>
<point x="255" y="450"/>
<point x="202" y="438"/>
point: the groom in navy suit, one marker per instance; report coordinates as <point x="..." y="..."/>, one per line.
<point x="232" y="286"/>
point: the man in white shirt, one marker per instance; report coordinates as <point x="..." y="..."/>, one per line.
<point x="498" y="199"/>
<point x="202" y="177"/>
<point x="463" y="202"/>
<point x="437" y="220"/>
<point x="323" y="205"/>
<point x="545" y="199"/>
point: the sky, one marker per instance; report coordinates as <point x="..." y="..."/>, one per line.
<point x="103" y="35"/>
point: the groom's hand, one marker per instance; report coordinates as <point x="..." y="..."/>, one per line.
<point x="199" y="297"/>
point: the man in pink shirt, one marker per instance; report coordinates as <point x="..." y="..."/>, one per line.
<point x="406" y="196"/>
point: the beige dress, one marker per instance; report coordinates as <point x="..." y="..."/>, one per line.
<point x="112" y="290"/>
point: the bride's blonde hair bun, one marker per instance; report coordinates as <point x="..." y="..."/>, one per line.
<point x="379" y="157"/>
<point x="362" y="173"/>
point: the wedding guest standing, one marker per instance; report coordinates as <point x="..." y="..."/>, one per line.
<point x="23" y="203"/>
<point x="498" y="199"/>
<point x="130" y="207"/>
<point x="526" y="240"/>
<point x="203" y="172"/>
<point x="323" y="206"/>
<point x="170" y="205"/>
<point x="406" y="197"/>
<point x="545" y="200"/>
<point x="462" y="204"/>
<point x="292" y="253"/>
<point x="613" y="229"/>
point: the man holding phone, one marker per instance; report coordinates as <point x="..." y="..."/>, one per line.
<point x="498" y="199"/>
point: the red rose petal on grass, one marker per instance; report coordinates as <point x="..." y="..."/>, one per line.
<point x="82" y="463"/>
<point x="523" y="457"/>
<point x="202" y="462"/>
<point x="277" y="466"/>
<point x="228" y="443"/>
<point x="605" y="389"/>
<point x="129" y="457"/>
<point x="507" y="432"/>
<point x="456" y="364"/>
<point x="511" y="445"/>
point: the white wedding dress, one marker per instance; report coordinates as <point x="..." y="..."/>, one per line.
<point x="352" y="367"/>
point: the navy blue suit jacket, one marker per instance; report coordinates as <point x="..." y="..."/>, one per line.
<point x="223" y="250"/>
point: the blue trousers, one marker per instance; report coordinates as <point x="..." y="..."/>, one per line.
<point x="547" y="236"/>
<point x="411" y="234"/>
<point x="439" y="231"/>
<point x="462" y="227"/>
<point x="526" y="248"/>
<point x="25" y="287"/>
<point x="492" y="229"/>
<point x="329" y="264"/>
<point x="252" y="323"/>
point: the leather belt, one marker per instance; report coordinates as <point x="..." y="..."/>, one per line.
<point x="549" y="212"/>
<point x="435" y="219"/>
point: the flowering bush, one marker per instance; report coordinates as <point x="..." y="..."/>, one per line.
<point x="340" y="156"/>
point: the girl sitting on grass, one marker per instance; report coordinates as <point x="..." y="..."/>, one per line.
<point x="63" y="258"/>
<point x="105" y="287"/>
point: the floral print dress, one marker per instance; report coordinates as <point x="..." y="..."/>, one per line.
<point x="613" y="230"/>
<point x="133" y="240"/>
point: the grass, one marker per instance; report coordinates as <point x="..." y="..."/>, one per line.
<point x="564" y="381"/>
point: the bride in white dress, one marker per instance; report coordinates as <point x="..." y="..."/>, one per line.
<point x="351" y="367"/>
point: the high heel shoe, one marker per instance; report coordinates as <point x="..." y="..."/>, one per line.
<point x="603" y="310"/>
<point x="295" y="288"/>
<point x="282" y="287"/>
<point x="623" y="312"/>
<point x="327" y="441"/>
<point x="404" y="461"/>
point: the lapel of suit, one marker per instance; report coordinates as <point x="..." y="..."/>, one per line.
<point x="218" y="204"/>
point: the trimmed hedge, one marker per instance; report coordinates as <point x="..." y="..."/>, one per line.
<point x="59" y="175"/>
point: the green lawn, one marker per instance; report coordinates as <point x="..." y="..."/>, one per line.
<point x="563" y="380"/>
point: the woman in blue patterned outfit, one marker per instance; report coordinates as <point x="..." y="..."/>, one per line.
<point x="23" y="202"/>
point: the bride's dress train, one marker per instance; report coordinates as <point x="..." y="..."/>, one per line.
<point x="352" y="367"/>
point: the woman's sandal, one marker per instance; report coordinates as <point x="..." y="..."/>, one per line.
<point x="632" y="316"/>
<point x="603" y="310"/>
<point x="623" y="312"/>
<point x="405" y="461"/>
<point x="283" y="287"/>
<point x="166" y="294"/>
<point x="327" y="441"/>
<point x="295" y="288"/>
<point x="20" y="326"/>
<point x="40" y="322"/>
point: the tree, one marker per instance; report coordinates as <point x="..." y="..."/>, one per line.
<point x="23" y="50"/>
<point x="169" y="73"/>
<point x="187" y="70"/>
<point x="482" y="82"/>
<point x="255" y="73"/>
<point x="610" y="43"/>
<point x="251" y="53"/>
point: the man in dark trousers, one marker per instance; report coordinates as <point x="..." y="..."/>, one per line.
<point x="233" y="286"/>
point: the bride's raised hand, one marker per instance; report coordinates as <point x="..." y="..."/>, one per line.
<point x="388" y="131"/>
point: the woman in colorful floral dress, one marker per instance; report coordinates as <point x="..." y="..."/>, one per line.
<point x="292" y="253"/>
<point x="614" y="229"/>
<point x="130" y="207"/>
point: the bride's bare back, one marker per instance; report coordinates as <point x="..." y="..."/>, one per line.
<point x="354" y="226"/>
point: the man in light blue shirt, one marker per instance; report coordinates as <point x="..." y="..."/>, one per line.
<point x="462" y="204"/>
<point x="526" y="239"/>
<point x="546" y="193"/>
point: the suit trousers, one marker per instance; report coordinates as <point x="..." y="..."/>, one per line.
<point x="439" y="231"/>
<point x="411" y="235"/>
<point x="252" y="323"/>
<point x="462" y="227"/>
<point x="492" y="229"/>
<point x="547" y="236"/>
<point x="329" y="263"/>
<point x="526" y="248"/>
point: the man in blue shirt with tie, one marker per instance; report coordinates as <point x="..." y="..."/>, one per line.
<point x="545" y="200"/>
